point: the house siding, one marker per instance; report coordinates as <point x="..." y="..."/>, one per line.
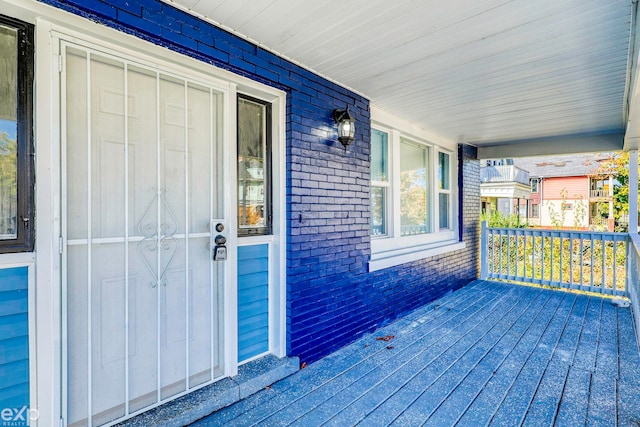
<point x="332" y="299"/>
<point x="14" y="339"/>
<point x="551" y="200"/>
<point x="253" y="301"/>
<point x="577" y="188"/>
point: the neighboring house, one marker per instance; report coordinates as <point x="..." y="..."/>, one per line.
<point x="504" y="187"/>
<point x="568" y="191"/>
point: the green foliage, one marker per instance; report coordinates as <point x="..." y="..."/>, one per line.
<point x="618" y="166"/>
<point x="496" y="219"/>
<point x="413" y="197"/>
<point x="579" y="212"/>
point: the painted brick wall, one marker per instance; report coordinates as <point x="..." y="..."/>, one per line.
<point x="331" y="298"/>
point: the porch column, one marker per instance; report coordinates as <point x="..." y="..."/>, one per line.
<point x="611" y="221"/>
<point x="633" y="191"/>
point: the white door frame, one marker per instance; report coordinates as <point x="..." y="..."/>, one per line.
<point x="46" y="354"/>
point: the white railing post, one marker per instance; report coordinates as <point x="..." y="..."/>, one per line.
<point x="633" y="278"/>
<point x="484" y="251"/>
<point x="633" y="191"/>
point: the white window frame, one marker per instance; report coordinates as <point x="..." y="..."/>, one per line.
<point x="537" y="185"/>
<point x="387" y="215"/>
<point x="446" y="191"/>
<point x="393" y="248"/>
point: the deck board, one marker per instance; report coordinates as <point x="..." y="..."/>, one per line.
<point x="488" y="354"/>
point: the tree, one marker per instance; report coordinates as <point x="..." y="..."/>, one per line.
<point x="618" y="165"/>
<point x="413" y="197"/>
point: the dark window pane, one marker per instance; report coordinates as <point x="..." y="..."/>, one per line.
<point x="8" y="133"/>
<point x="378" y="211"/>
<point x="379" y="156"/>
<point x="444" y="210"/>
<point x="254" y="173"/>
<point x="443" y="171"/>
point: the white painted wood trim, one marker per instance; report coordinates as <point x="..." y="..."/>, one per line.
<point x="385" y="119"/>
<point x="633" y="195"/>
<point x="47" y="351"/>
<point x="230" y="297"/>
<point x="378" y="262"/>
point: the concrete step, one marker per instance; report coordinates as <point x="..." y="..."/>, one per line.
<point x="252" y="377"/>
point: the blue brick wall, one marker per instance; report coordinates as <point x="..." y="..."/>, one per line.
<point x="14" y="339"/>
<point x="331" y="298"/>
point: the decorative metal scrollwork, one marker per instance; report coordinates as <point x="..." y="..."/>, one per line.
<point x="158" y="236"/>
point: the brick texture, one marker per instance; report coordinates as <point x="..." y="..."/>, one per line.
<point x="332" y="299"/>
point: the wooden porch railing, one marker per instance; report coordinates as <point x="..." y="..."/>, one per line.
<point x="634" y="279"/>
<point x="595" y="194"/>
<point x="588" y="261"/>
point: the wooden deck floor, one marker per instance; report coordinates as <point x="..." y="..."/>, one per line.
<point x="488" y="354"/>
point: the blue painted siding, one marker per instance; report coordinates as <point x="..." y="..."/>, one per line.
<point x="332" y="299"/>
<point x="253" y="301"/>
<point x="14" y="338"/>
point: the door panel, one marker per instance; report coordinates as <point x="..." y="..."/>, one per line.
<point x="142" y="182"/>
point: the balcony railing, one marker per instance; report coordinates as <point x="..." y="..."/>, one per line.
<point x="596" y="194"/>
<point x="508" y="173"/>
<point x="634" y="278"/>
<point x="587" y="261"/>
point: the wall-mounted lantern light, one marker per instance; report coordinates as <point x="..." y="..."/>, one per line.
<point x="346" y="126"/>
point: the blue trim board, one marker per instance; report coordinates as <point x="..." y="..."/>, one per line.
<point x="14" y="339"/>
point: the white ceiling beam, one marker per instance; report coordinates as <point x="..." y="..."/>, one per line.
<point x="552" y="146"/>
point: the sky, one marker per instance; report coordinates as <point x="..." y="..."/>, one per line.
<point x="8" y="126"/>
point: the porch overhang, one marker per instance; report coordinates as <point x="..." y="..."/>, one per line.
<point x="505" y="190"/>
<point x="511" y="78"/>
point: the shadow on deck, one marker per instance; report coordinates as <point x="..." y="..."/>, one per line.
<point x="488" y="354"/>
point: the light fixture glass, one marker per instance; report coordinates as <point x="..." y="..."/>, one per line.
<point x="346" y="126"/>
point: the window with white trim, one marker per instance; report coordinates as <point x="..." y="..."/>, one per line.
<point x="444" y="190"/>
<point x="534" y="185"/>
<point x="415" y="206"/>
<point x="16" y="136"/>
<point x="379" y="182"/>
<point x="413" y="200"/>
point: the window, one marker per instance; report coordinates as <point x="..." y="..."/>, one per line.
<point x="535" y="211"/>
<point x="444" y="188"/>
<point x="413" y="196"/>
<point x="16" y="136"/>
<point x="254" y="167"/>
<point x="379" y="182"/>
<point x="414" y="188"/>
<point x="534" y="185"/>
<point x="522" y="210"/>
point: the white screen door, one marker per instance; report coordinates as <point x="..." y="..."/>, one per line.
<point x="142" y="182"/>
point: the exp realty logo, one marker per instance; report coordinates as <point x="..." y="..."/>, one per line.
<point x="18" y="417"/>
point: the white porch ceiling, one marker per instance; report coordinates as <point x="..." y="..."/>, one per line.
<point x="486" y="72"/>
